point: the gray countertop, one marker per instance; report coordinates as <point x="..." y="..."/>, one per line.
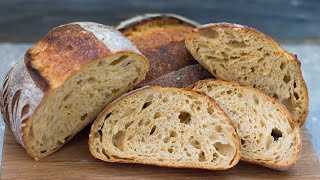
<point x="309" y="55"/>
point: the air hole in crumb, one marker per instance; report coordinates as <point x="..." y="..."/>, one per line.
<point x="202" y="156"/>
<point x="145" y="105"/>
<point x="166" y="139"/>
<point x="237" y="44"/>
<point x="196" y="144"/>
<point x="107" y="116"/>
<point x="252" y="69"/>
<point x="294" y="84"/>
<point x="84" y="117"/>
<point x="283" y="65"/>
<point x="65" y="98"/>
<point x="229" y="92"/>
<point x="153" y="129"/>
<point x="223" y="149"/>
<point x="276" y="134"/>
<point x="286" y="79"/>
<point x="44" y="151"/>
<point x="275" y="96"/>
<point x="165" y="99"/>
<point x="173" y="134"/>
<point x="128" y="124"/>
<point x="185" y="117"/>
<point x="209" y="33"/>
<point x="256" y="100"/>
<point x="210" y="110"/>
<point x="104" y="152"/>
<point x="118" y="140"/>
<point x="218" y="128"/>
<point x="242" y="141"/>
<point x="117" y="61"/>
<point x="25" y="110"/>
<point x="296" y="95"/>
<point x="147" y="123"/>
<point x="170" y="150"/>
<point x="157" y="115"/>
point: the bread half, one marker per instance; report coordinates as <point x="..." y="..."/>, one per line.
<point x="269" y="135"/>
<point x="160" y="37"/>
<point x="165" y="127"/>
<point x="238" y="53"/>
<point x="64" y="81"/>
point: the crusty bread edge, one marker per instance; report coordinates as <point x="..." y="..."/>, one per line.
<point x="100" y="120"/>
<point x="138" y="20"/>
<point x="283" y="109"/>
<point x="268" y="38"/>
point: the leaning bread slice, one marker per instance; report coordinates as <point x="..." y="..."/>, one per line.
<point x="160" y="37"/>
<point x="242" y="54"/>
<point x="165" y="127"/>
<point x="269" y="135"/>
<point x="64" y="81"/>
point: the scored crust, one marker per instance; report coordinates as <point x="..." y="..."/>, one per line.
<point x="160" y="37"/>
<point x="135" y="94"/>
<point x="226" y="92"/>
<point x="56" y="59"/>
<point x="245" y="55"/>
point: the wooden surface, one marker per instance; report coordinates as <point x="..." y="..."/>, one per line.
<point x="28" y="20"/>
<point x="75" y="162"/>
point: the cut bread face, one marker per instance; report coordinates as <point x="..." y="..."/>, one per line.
<point x="68" y="109"/>
<point x="269" y="135"/>
<point x="165" y="127"/>
<point x="244" y="55"/>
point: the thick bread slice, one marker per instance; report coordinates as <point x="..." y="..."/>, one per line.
<point x="165" y="127"/>
<point x="238" y="53"/>
<point x="269" y="135"/>
<point x="160" y="37"/>
<point x="64" y="81"/>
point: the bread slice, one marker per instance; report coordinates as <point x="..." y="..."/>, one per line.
<point x="165" y="127"/>
<point x="64" y="81"/>
<point x="269" y="135"/>
<point x="160" y="37"/>
<point x="238" y="53"/>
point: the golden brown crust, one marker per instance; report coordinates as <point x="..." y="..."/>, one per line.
<point x="294" y="58"/>
<point x="62" y="51"/>
<point x="161" y="39"/>
<point x="100" y="120"/>
<point x="283" y="109"/>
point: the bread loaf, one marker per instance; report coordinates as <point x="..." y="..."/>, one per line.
<point x="269" y="135"/>
<point x="165" y="127"/>
<point x="64" y="81"/>
<point x="160" y="37"/>
<point x="238" y="53"/>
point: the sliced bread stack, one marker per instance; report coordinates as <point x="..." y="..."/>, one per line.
<point x="269" y="134"/>
<point x="238" y="53"/>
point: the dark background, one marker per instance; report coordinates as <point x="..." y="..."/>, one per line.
<point x="284" y="20"/>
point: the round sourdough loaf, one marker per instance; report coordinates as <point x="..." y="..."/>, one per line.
<point x="64" y="81"/>
<point x="160" y="37"/>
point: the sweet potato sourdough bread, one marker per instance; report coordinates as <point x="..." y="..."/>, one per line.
<point x="165" y="127"/>
<point x="269" y="135"/>
<point x="160" y="37"/>
<point x="238" y="53"/>
<point x="64" y="81"/>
